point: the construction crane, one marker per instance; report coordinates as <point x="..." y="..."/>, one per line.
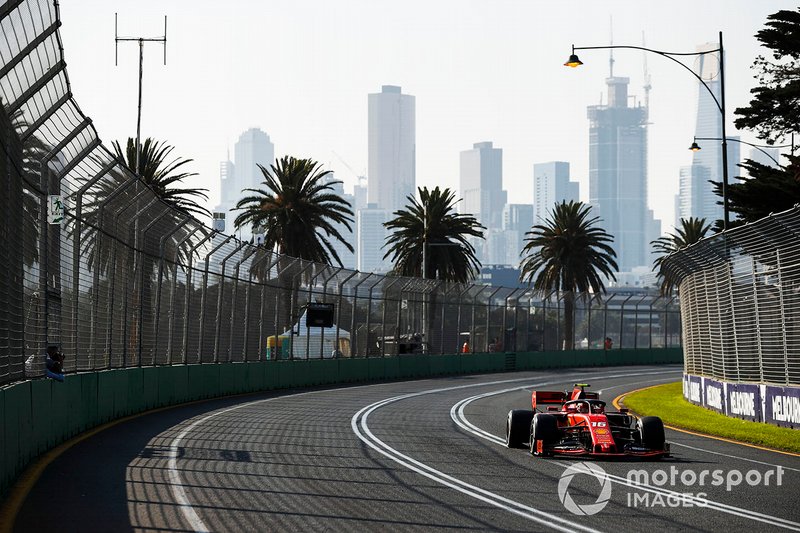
<point x="341" y="159"/>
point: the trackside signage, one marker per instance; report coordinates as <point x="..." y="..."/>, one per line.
<point x="749" y="401"/>
<point x="782" y="405"/>
<point x="693" y="389"/>
<point x="714" y="394"/>
<point x="744" y="401"/>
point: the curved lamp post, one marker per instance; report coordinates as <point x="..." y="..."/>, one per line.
<point x="696" y="147"/>
<point x="574" y="61"/>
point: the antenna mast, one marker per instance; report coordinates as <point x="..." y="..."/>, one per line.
<point x="141" y="41"/>
<point x="610" y="43"/>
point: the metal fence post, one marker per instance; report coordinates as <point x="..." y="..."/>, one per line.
<point x="292" y="298"/>
<point x="383" y="319"/>
<point x="98" y="253"/>
<point x="76" y="261"/>
<point x="236" y="274"/>
<point x="339" y="309"/>
<point x="458" y="327"/>
<point x="188" y="299"/>
<point x="141" y="286"/>
<point x="489" y="316"/>
<point x="311" y="283"/>
<point x="220" y="295"/>
<point x="783" y="316"/>
<point x="203" y="302"/>
<point x="472" y="334"/>
<point x="252" y="270"/>
<point x="447" y="287"/>
<point x="173" y="288"/>
<point x="353" y="335"/>
<point x="131" y="223"/>
<point x="369" y="311"/>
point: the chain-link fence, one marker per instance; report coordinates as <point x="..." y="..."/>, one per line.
<point x="740" y="302"/>
<point x="125" y="280"/>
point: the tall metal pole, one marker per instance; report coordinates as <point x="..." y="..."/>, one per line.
<point x="139" y="110"/>
<point x="725" y="206"/>
<point x="141" y="41"/>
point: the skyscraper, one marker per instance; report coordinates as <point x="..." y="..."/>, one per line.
<point x="253" y="148"/>
<point x="618" y="172"/>
<point x="371" y="238"/>
<point x="481" y="187"/>
<point x="347" y="257"/>
<point x="697" y="195"/>
<point x="517" y="220"/>
<point x="392" y="148"/>
<point x="551" y="185"/>
<point x="481" y="184"/>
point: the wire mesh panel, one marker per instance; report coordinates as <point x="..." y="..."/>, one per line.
<point x="126" y="279"/>
<point x="740" y="301"/>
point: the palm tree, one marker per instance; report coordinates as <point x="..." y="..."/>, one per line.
<point x="102" y="230"/>
<point x="691" y="231"/>
<point x="162" y="175"/>
<point x="298" y="210"/>
<point x="300" y="215"/>
<point x="434" y="221"/>
<point x="568" y="253"/>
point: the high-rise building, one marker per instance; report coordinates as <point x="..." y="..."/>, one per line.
<point x="618" y="172"/>
<point x="551" y="185"/>
<point x="347" y="257"/>
<point x="697" y="195"/>
<point x="392" y="148"/>
<point x="517" y="221"/>
<point x="371" y="238"/>
<point x="481" y="187"/>
<point x="481" y="184"/>
<point x="253" y="148"/>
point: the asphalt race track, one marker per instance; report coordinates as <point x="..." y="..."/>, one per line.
<point x="419" y="455"/>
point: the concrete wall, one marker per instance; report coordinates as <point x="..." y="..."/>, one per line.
<point x="38" y="415"/>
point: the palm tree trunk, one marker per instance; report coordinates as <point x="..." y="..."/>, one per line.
<point x="569" y="320"/>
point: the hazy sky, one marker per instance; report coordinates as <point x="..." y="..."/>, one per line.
<point x="480" y="70"/>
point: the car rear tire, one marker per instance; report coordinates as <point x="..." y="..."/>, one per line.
<point x="651" y="431"/>
<point x="545" y="429"/>
<point x="518" y="426"/>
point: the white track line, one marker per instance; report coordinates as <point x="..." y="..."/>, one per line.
<point x="458" y="416"/>
<point x="176" y="483"/>
<point x="359" y="424"/>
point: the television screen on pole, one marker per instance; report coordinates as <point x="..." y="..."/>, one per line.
<point x="319" y="315"/>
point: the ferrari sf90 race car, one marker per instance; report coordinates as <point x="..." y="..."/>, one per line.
<point x="577" y="423"/>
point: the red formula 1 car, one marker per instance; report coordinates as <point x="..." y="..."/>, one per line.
<point x="577" y="423"/>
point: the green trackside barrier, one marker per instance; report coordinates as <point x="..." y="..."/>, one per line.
<point x="40" y="414"/>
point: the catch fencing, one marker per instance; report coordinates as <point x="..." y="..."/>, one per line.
<point x="740" y="302"/>
<point x="125" y="280"/>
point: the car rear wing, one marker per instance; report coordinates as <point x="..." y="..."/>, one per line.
<point x="545" y="397"/>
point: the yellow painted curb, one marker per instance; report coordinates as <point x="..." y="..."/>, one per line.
<point x="620" y="400"/>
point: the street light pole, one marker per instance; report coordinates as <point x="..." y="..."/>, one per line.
<point x="573" y="62"/>
<point x="725" y="206"/>
<point x="760" y="147"/>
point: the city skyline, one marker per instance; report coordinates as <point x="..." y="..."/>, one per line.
<point x="508" y="86"/>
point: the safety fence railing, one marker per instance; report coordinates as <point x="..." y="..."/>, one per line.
<point x="126" y="280"/>
<point x="740" y="302"/>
